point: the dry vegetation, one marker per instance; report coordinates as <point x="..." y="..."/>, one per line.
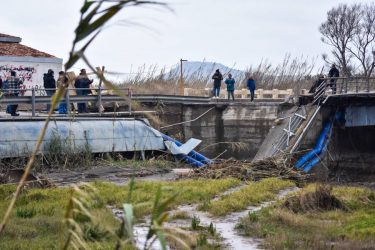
<point x="318" y="217"/>
<point x="271" y="167"/>
<point x="294" y="73"/>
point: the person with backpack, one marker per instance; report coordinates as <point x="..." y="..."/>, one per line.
<point x="217" y="77"/>
<point x="251" y="87"/>
<point x="230" y="86"/>
<point x="12" y="88"/>
<point x="49" y="84"/>
<point x="82" y="84"/>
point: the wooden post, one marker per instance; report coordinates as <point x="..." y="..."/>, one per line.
<point x="100" y="104"/>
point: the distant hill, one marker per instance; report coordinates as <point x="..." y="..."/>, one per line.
<point x="193" y="70"/>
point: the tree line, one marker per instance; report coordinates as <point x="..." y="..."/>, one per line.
<point x="350" y="31"/>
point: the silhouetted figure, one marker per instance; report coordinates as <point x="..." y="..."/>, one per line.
<point x="251" y="86"/>
<point x="49" y="84"/>
<point x="333" y="72"/>
<point x="218" y="77"/>
<point x="82" y="84"/>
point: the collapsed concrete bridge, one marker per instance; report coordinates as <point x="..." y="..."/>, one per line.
<point x="220" y="124"/>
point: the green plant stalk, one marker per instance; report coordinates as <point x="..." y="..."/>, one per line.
<point x="55" y="100"/>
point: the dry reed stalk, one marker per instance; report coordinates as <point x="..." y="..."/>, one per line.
<point x="294" y="73"/>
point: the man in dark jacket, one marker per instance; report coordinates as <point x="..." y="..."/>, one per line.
<point x="82" y="84"/>
<point x="218" y="77"/>
<point x="333" y="73"/>
<point x="49" y="84"/>
<point x="251" y="87"/>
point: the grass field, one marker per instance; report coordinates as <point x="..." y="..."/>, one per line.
<point x="37" y="221"/>
<point x="350" y="228"/>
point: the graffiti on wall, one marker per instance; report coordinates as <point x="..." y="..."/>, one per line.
<point x="24" y="73"/>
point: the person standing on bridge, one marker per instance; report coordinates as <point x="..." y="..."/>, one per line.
<point x="251" y="87"/>
<point x="317" y="84"/>
<point x="333" y="73"/>
<point x="218" y="77"/>
<point x="82" y="84"/>
<point x="49" y="84"/>
<point x="12" y="88"/>
<point x="63" y="82"/>
<point x="230" y="86"/>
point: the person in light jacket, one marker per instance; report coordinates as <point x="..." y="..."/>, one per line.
<point x="251" y="87"/>
<point x="63" y="82"/>
<point x="230" y="86"/>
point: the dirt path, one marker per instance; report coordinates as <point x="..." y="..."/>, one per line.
<point x="115" y="175"/>
<point x="225" y="226"/>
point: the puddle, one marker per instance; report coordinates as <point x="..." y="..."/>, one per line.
<point x="225" y="226"/>
<point x="140" y="230"/>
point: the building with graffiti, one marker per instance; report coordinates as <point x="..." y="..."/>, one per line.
<point x="29" y="63"/>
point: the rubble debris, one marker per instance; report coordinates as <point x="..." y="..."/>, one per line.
<point x="321" y="199"/>
<point x="251" y="171"/>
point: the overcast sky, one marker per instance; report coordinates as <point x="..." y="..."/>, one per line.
<point x="241" y="32"/>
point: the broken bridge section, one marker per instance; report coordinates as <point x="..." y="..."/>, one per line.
<point x="340" y="134"/>
<point x="227" y="130"/>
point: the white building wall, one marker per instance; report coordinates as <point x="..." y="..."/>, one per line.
<point x="29" y="69"/>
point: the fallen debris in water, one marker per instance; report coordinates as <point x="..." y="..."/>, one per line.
<point x="270" y="167"/>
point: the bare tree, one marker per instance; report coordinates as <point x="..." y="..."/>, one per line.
<point x="339" y="30"/>
<point x="363" y="44"/>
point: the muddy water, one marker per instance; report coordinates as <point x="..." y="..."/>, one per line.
<point x="225" y="226"/>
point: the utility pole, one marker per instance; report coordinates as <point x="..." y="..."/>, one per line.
<point x="181" y="88"/>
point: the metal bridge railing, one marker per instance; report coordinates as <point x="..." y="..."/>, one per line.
<point x="343" y="86"/>
<point x="290" y="130"/>
<point x="98" y="95"/>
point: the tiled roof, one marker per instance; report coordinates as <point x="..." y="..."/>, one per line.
<point x="10" y="46"/>
<point x="16" y="49"/>
<point x="9" y="36"/>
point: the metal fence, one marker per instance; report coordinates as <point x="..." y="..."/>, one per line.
<point x="97" y="95"/>
<point x="344" y="86"/>
<point x="71" y="96"/>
